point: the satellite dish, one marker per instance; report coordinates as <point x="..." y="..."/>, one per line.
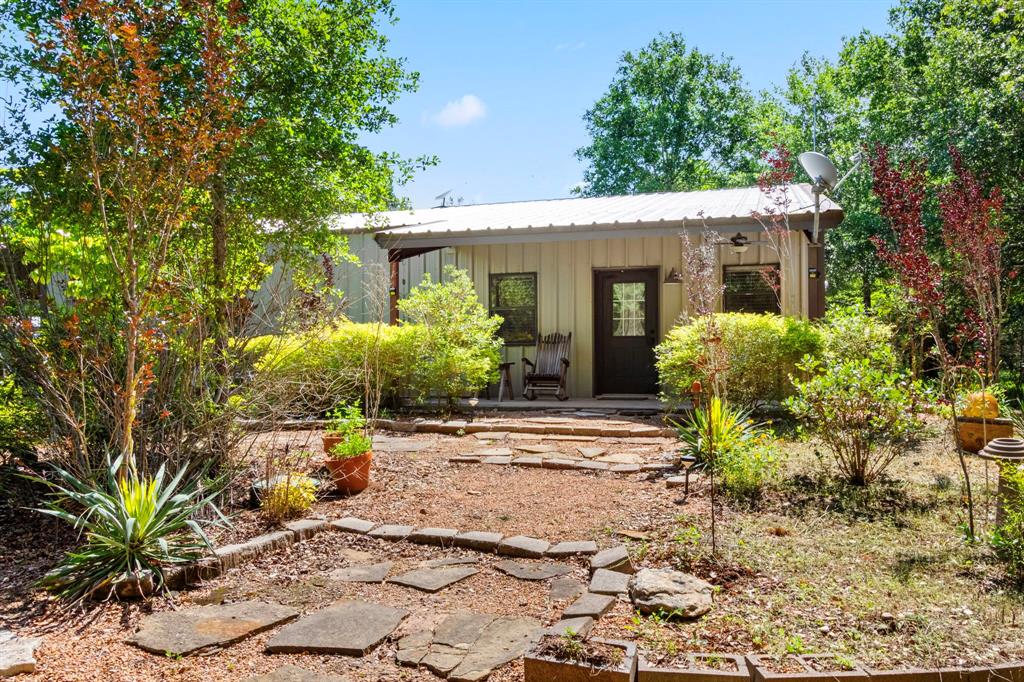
<point x="822" y="171"/>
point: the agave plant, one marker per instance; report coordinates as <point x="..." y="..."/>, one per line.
<point x="133" y="526"/>
<point x="715" y="429"/>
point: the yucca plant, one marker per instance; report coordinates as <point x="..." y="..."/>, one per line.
<point x="717" y="428"/>
<point x="131" y="524"/>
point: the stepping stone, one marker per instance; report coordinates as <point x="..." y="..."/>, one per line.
<point x="434" y="579"/>
<point x="306" y="528"/>
<point x="570" y="438"/>
<point x="180" y="633"/>
<point x="433" y="536"/>
<point x="367" y="573"/>
<point x="524" y="571"/>
<point x="464" y="459"/>
<point x="350" y="628"/>
<point x="351" y="524"/>
<point x="587" y="465"/>
<point x="391" y="532"/>
<point x="559" y="464"/>
<point x="580" y="627"/>
<point x="293" y="673"/>
<point x="609" y="582"/>
<point x="620" y="458"/>
<point x="537" y="449"/>
<point x="564" y="549"/>
<point x="676" y="481"/>
<point x="413" y="647"/>
<point x="565" y="588"/>
<point x="482" y="541"/>
<point x="494" y="452"/>
<point x="490" y="435"/>
<point x="450" y="561"/>
<point x="500" y="461"/>
<point x="452" y="639"/>
<point x="591" y="452"/>
<point x="535" y="462"/>
<point x="17" y="654"/>
<point x="400" y="444"/>
<point x="590" y="604"/>
<point x="526" y="436"/>
<point x="624" y="468"/>
<point x="523" y="546"/>
<point x="504" y="640"/>
<point x="614" y="559"/>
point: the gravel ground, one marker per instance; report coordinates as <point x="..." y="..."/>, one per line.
<point x="884" y="579"/>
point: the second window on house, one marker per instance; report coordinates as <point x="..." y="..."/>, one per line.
<point x="514" y="297"/>
<point x="751" y="289"/>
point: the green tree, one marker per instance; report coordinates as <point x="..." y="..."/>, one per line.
<point x="673" y="119"/>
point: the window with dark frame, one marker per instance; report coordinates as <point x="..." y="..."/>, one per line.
<point x="751" y="289"/>
<point x="514" y="296"/>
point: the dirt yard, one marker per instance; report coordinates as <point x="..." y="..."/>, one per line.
<point x="883" y="577"/>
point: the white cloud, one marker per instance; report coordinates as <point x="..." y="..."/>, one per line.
<point x="461" y="112"/>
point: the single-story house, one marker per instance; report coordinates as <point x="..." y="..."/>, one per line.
<point x="605" y="269"/>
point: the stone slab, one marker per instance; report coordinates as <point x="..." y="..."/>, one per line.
<point x="504" y="640"/>
<point x="609" y="582"/>
<point x="306" y="528"/>
<point x="535" y="462"/>
<point x="657" y="466"/>
<point x="464" y="459"/>
<point x="559" y="463"/>
<point x="494" y="452"/>
<point x="533" y="571"/>
<point x="350" y="628"/>
<point x="400" y="444"/>
<point x="536" y="449"/>
<point x="620" y="458"/>
<point x="482" y="541"/>
<point x="589" y="604"/>
<point x="500" y="461"/>
<point x="453" y="638"/>
<point x="523" y="546"/>
<point x="17" y="654"/>
<point x="490" y="435"/>
<point x="624" y="468"/>
<point x="434" y="579"/>
<point x="441" y="537"/>
<point x="450" y="561"/>
<point x="565" y="588"/>
<point x="575" y="438"/>
<point x="200" y="629"/>
<point x="579" y="627"/>
<point x="587" y="465"/>
<point x="591" y="452"/>
<point x="676" y="481"/>
<point x="614" y="559"/>
<point x="573" y="548"/>
<point x="364" y="573"/>
<point x="413" y="647"/>
<point x="391" y="532"/>
<point x="351" y="524"/>
<point x="293" y="673"/>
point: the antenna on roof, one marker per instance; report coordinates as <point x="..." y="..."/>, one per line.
<point x="443" y="198"/>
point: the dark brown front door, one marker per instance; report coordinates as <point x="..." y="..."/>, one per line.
<point x="625" y="330"/>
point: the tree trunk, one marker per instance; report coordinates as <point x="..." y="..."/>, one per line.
<point x="865" y="290"/>
<point x="221" y="314"/>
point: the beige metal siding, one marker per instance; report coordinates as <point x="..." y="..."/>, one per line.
<point x="565" y="286"/>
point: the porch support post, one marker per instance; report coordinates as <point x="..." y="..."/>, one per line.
<point x="393" y="260"/>
<point x="816" y="279"/>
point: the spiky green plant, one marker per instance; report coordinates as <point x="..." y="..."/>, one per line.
<point x="715" y="429"/>
<point x="130" y="525"/>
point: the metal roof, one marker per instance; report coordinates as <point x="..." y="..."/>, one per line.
<point x="586" y="218"/>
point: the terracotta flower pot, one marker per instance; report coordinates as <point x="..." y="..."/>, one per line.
<point x="351" y="474"/>
<point x="974" y="434"/>
<point x="330" y="440"/>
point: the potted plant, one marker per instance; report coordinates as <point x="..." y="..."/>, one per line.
<point x="348" y="447"/>
<point x="979" y="422"/>
<point x="571" y="658"/>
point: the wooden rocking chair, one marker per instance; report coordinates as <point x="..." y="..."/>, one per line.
<point x="549" y="372"/>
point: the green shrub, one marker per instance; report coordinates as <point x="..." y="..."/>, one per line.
<point x="291" y="496"/>
<point x="762" y="352"/>
<point x="460" y="349"/>
<point x="864" y="415"/>
<point x="746" y="471"/>
<point x="849" y="334"/>
<point x="1007" y="539"/>
<point x="22" y="423"/>
<point x="307" y="374"/>
<point x="131" y="525"/>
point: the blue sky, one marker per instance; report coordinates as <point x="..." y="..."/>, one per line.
<point x="504" y="85"/>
